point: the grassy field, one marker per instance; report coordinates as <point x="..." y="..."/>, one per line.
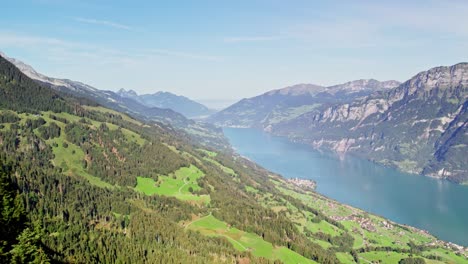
<point x="183" y="153"/>
<point x="345" y="258"/>
<point x="180" y="184"/>
<point x="382" y="235"/>
<point x="251" y="189"/>
<point x="221" y="166"/>
<point x="110" y="111"/>
<point x="323" y="227"/>
<point x="70" y="159"/>
<point x="447" y="256"/>
<point x="129" y="135"/>
<point x="209" y="153"/>
<point x="302" y="219"/>
<point x="383" y="257"/>
<point x="244" y="241"/>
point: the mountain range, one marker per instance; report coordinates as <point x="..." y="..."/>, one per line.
<point x="83" y="183"/>
<point x="145" y="107"/>
<point x="290" y="102"/>
<point x="419" y="126"/>
<point x="180" y="104"/>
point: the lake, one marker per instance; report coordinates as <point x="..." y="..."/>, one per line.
<point x="437" y="206"/>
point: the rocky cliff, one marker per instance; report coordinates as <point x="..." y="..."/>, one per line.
<point x="419" y="126"/>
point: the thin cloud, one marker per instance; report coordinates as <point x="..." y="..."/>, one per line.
<point x="103" y="23"/>
<point x="67" y="50"/>
<point x="184" y="55"/>
<point x="384" y="24"/>
<point x="252" y="38"/>
<point x="444" y="18"/>
<point x="63" y="50"/>
<point x="13" y="39"/>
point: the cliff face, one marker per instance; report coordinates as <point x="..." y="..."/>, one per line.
<point x="419" y="126"/>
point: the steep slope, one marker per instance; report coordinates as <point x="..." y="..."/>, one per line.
<point x="17" y="90"/>
<point x="180" y="104"/>
<point x="203" y="132"/>
<point x="419" y="127"/>
<point x="80" y="166"/>
<point x="290" y="102"/>
<point x="97" y="186"/>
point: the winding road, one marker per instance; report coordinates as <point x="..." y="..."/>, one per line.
<point x="185" y="183"/>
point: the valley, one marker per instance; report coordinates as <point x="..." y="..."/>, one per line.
<point x="96" y="185"/>
<point x="418" y="126"/>
<point x="233" y="132"/>
<point x="363" y="184"/>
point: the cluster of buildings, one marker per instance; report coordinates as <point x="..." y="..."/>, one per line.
<point x="303" y="183"/>
<point x="365" y="223"/>
<point x="451" y="246"/>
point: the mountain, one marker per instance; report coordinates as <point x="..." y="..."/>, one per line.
<point x="362" y="87"/>
<point x="81" y="183"/>
<point x="290" y="102"/>
<point x="201" y="131"/>
<point x="418" y="127"/>
<point x="180" y="104"/>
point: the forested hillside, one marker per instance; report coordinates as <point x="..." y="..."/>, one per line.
<point x="81" y="183"/>
<point x="203" y="133"/>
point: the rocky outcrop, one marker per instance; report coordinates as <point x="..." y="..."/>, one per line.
<point x="363" y="85"/>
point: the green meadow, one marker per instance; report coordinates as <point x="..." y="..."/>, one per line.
<point x="221" y="166"/>
<point x="209" y="153"/>
<point x="110" y="111"/>
<point x="244" y="241"/>
<point x="181" y="184"/>
<point x="69" y="159"/>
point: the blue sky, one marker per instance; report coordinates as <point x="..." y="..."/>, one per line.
<point x="210" y="50"/>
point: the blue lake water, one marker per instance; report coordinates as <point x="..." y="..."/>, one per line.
<point x="437" y="206"/>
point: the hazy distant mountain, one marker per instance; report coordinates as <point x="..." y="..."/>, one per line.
<point x="180" y="104"/>
<point x="290" y="102"/>
<point x="362" y="86"/>
<point x="125" y="104"/>
<point x="420" y="126"/>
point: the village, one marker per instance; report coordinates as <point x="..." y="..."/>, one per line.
<point x="305" y="184"/>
